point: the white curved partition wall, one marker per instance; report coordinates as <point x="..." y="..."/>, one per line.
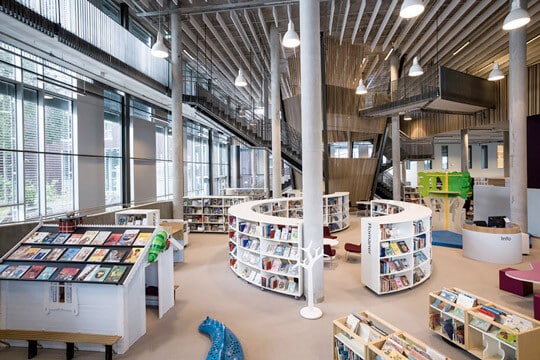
<point x="396" y="246"/>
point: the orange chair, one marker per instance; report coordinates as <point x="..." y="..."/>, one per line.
<point x="327" y="234"/>
<point x="354" y="248"/>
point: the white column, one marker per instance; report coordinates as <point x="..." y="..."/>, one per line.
<point x="266" y="173"/>
<point x="464" y="150"/>
<point x="311" y="101"/>
<point x="396" y="144"/>
<point x="517" y="116"/>
<point x="254" y="167"/>
<point x="177" y="123"/>
<point x="275" y="113"/>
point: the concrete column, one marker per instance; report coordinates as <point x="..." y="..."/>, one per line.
<point x="404" y="171"/>
<point x="517" y="116"/>
<point x="396" y="143"/>
<point x="254" y="167"/>
<point x="464" y="150"/>
<point x="311" y="102"/>
<point x="506" y="150"/>
<point x="349" y="145"/>
<point x="266" y="173"/>
<point x="274" y="112"/>
<point x="177" y="123"/>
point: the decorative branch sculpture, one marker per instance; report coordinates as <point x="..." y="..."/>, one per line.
<point x="311" y="311"/>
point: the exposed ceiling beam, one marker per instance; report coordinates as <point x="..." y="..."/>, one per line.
<point x="253" y="60"/>
<point x="344" y="24"/>
<point x="331" y="20"/>
<point x="391" y="34"/>
<point x="263" y="25"/>
<point x="275" y="16"/>
<point x="358" y="20"/>
<point x="372" y="20"/>
<point x="262" y="53"/>
<point x="389" y="13"/>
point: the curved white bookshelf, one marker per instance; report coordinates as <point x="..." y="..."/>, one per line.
<point x="265" y="237"/>
<point x="396" y="246"/>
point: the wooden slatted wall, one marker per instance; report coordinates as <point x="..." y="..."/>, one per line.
<point x="352" y="175"/>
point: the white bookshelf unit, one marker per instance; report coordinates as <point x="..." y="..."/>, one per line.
<point x="252" y="193"/>
<point x="209" y="213"/>
<point x="396" y="246"/>
<point x="264" y="250"/>
<point x="366" y="336"/>
<point x="137" y="217"/>
<point x="483" y="328"/>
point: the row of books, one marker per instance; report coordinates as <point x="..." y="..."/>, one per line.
<point x="453" y="329"/>
<point x="344" y="352"/>
<point x="388" y="231"/>
<point x="418" y="226"/>
<point x="279" y="283"/>
<point x="248" y="243"/>
<point x="280" y="266"/>
<point x="76" y="254"/>
<point x="418" y="275"/>
<point x="91" y="237"/>
<point x="91" y="273"/>
<point x="284" y="250"/>
<point x="250" y="258"/>
<point x="390" y="283"/>
<point x="419" y="257"/>
<point x="396" y="347"/>
<point x="392" y="248"/>
<point x="390" y="266"/>
<point x="419" y="242"/>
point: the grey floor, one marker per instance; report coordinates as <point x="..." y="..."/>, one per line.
<point x="269" y="325"/>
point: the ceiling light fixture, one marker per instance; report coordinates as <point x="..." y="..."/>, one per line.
<point x="416" y="69"/>
<point x="240" y="80"/>
<point x="388" y="55"/>
<point x="461" y="48"/>
<point x="495" y="74"/>
<point x="407" y="118"/>
<point x="411" y="8"/>
<point x="291" y="39"/>
<point x="159" y="49"/>
<point x="517" y="17"/>
<point x="361" y="89"/>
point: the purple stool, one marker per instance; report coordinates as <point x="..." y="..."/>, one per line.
<point x="536" y="302"/>
<point x="518" y="287"/>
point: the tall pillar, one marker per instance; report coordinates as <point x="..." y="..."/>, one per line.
<point x="404" y="171"/>
<point x="266" y="164"/>
<point x="254" y="167"/>
<point x="517" y="116"/>
<point x="506" y="150"/>
<point x="396" y="143"/>
<point x="274" y="113"/>
<point x="464" y="150"/>
<point x="311" y="102"/>
<point x="177" y="123"/>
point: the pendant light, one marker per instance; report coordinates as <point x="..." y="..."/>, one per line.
<point x="411" y="8"/>
<point x="361" y="89"/>
<point x="495" y="74"/>
<point x="416" y="69"/>
<point x="159" y="49"/>
<point x="291" y="39"/>
<point x="517" y="17"/>
<point x="240" y="80"/>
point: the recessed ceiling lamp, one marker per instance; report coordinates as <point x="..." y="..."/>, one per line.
<point x="495" y="74"/>
<point x="361" y="89"/>
<point x="416" y="69"/>
<point x="290" y="39"/>
<point x="411" y="8"/>
<point x="517" y="17"/>
<point x="240" y="80"/>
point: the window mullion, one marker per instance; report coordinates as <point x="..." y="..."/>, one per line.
<point x="20" y="198"/>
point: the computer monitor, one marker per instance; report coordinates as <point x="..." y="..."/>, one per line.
<point x="497" y="221"/>
<point x="480" y="223"/>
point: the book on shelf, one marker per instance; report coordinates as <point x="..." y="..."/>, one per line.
<point x="507" y="337"/>
<point x="101" y="237"/>
<point x="37" y="237"/>
<point x="88" y="237"/>
<point x="128" y="237"/>
<point x="294" y="234"/>
<point x="352" y="322"/>
<point x="448" y="295"/>
<point x="33" y="272"/>
<point x="83" y="253"/>
<point x="73" y="239"/>
<point x="403" y="246"/>
<point x="98" y="255"/>
<point x="69" y="254"/>
<point x="291" y="286"/>
<point x="516" y="322"/>
<point x="142" y="239"/>
<point x="47" y="273"/>
<point x="395" y="248"/>
<point x="116" y="255"/>
<point x="55" y="254"/>
<point x="113" y="239"/>
<point x="435" y="321"/>
<point x="60" y="238"/>
<point x="465" y="300"/>
<point x="41" y="254"/>
<point x="14" y="271"/>
<point x="67" y="274"/>
<point x="116" y="273"/>
<point x="480" y="324"/>
<point x="86" y="271"/>
<point x="100" y="274"/>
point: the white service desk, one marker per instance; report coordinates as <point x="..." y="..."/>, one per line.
<point x="493" y="245"/>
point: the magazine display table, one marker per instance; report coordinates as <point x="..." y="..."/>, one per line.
<point x="91" y="281"/>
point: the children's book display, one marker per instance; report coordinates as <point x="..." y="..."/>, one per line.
<point x="105" y="254"/>
<point x="396" y="246"/>
<point x="483" y="328"/>
<point x="363" y="335"/>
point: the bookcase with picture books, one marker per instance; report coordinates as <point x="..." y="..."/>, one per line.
<point x="265" y="250"/>
<point x="482" y="327"/>
<point x="396" y="246"/>
<point x="90" y="280"/>
<point x="363" y="335"/>
<point x="209" y="213"/>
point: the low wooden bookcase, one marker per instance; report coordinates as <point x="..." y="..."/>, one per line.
<point x="483" y="328"/>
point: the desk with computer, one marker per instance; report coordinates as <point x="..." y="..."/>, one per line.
<point x="498" y="241"/>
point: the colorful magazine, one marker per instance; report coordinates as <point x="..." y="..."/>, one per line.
<point x="54" y="254"/>
<point x="116" y="255"/>
<point x="37" y="237"/>
<point x="66" y="274"/>
<point x="98" y="255"/>
<point x="60" y="238"/>
<point x="101" y="237"/>
<point x="73" y="239"/>
<point x="33" y="272"/>
<point x="100" y="274"/>
<point x="83" y="253"/>
<point x="14" y="271"/>
<point x="87" y="271"/>
<point x="128" y="237"/>
<point x="19" y="253"/>
<point x="47" y="273"/>
<point x="88" y="237"/>
<point x="133" y="255"/>
<point x="40" y="255"/>
<point x="113" y="239"/>
<point x="142" y="239"/>
<point x="69" y="254"/>
<point x="116" y="273"/>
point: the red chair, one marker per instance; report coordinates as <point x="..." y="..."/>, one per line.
<point x="328" y="252"/>
<point x="326" y="233"/>
<point x="354" y="248"/>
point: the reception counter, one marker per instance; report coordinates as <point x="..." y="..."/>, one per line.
<point x="494" y="245"/>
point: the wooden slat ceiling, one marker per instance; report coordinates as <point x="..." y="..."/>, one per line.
<point x="235" y="33"/>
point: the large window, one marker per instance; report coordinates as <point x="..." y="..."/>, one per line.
<point x="112" y="127"/>
<point x="163" y="161"/>
<point x="362" y="149"/>
<point x="338" y="150"/>
<point x="220" y="163"/>
<point x="196" y="160"/>
<point x="8" y="156"/>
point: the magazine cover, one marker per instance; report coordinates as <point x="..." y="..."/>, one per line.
<point x="33" y="272"/>
<point x="100" y="274"/>
<point x="98" y="255"/>
<point x="142" y="239"/>
<point x="66" y="274"/>
<point x="60" y="238"/>
<point x="83" y="253"/>
<point x="116" y="273"/>
<point x="128" y="237"/>
<point x="116" y="255"/>
<point x="101" y="237"/>
<point x="87" y="271"/>
<point x="54" y="254"/>
<point x="47" y="273"/>
<point x="88" y="237"/>
<point x="113" y="239"/>
<point x="133" y="255"/>
<point x="69" y="254"/>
